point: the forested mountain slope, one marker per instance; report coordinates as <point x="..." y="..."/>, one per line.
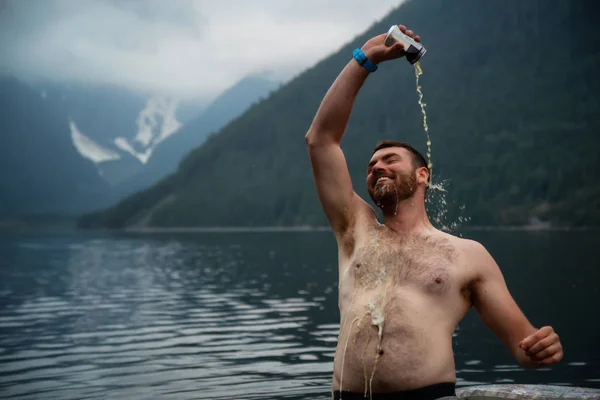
<point x="513" y="111"/>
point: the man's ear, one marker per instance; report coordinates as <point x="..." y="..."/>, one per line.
<point x="422" y="175"/>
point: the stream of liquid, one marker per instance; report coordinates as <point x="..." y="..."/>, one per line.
<point x="436" y="197"/>
<point x="419" y="72"/>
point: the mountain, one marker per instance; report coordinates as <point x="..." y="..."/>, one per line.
<point x="72" y="148"/>
<point x="65" y="148"/>
<point x="116" y="128"/>
<point x="135" y="139"/>
<point x="513" y="109"/>
<point x="227" y="106"/>
<point x="40" y="170"/>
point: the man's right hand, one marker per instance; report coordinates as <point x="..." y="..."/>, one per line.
<point x="376" y="50"/>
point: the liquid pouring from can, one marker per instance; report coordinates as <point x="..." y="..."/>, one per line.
<point x="413" y="52"/>
<point x="413" y="49"/>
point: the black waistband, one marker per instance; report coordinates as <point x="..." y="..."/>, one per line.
<point x="425" y="393"/>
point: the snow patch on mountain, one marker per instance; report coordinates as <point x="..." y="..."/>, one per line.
<point x="90" y="149"/>
<point x="156" y="122"/>
<point x="124" y="145"/>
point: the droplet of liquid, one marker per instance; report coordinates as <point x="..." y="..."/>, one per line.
<point x="437" y="208"/>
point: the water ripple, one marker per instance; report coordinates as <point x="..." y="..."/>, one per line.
<point x="127" y="321"/>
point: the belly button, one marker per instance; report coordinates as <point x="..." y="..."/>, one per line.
<point x="438" y="280"/>
<point x="358" y="265"/>
<point x="380" y="352"/>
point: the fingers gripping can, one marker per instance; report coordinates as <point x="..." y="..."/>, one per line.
<point x="413" y="49"/>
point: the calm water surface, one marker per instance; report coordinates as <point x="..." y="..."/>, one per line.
<point x="247" y="315"/>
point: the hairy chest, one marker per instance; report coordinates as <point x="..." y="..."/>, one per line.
<point x="427" y="262"/>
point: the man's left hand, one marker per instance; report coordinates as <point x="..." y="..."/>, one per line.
<point x="543" y="346"/>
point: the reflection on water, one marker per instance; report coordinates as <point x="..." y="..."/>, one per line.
<point x="242" y="316"/>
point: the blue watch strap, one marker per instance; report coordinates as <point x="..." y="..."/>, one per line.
<point x="360" y="57"/>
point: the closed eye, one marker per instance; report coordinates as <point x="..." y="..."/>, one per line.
<point x="388" y="159"/>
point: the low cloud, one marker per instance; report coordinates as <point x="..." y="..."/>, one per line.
<point x="188" y="48"/>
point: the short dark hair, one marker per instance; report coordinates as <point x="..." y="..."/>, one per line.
<point x="417" y="158"/>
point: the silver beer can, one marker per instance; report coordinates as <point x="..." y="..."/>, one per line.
<point x="413" y="49"/>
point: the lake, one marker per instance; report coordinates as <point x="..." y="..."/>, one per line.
<point x="247" y="315"/>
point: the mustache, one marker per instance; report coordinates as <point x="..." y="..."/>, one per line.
<point x="379" y="174"/>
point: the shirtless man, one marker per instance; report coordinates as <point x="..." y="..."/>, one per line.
<point x="403" y="285"/>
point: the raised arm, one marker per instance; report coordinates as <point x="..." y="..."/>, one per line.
<point x="531" y="347"/>
<point x="329" y="167"/>
<point x="332" y="179"/>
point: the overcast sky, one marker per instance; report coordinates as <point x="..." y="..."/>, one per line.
<point x="191" y="48"/>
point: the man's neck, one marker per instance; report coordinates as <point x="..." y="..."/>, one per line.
<point x="407" y="216"/>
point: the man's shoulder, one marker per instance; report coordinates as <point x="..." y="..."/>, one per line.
<point x="460" y="242"/>
<point x="471" y="246"/>
<point x="471" y="250"/>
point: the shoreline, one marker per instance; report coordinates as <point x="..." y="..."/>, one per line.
<point x="271" y="229"/>
<point x="274" y="229"/>
<point x="224" y="229"/>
